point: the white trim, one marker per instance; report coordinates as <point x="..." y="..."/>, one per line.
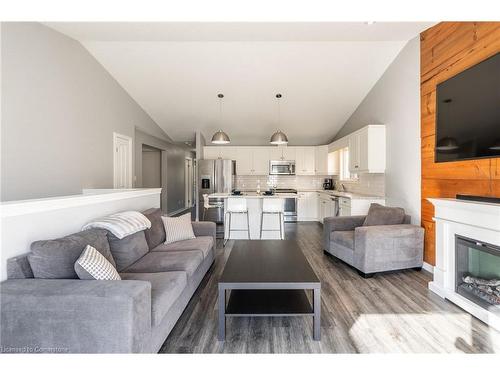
<point x="88" y="196"/>
<point x="428" y="267"/>
<point x="116" y="136"/>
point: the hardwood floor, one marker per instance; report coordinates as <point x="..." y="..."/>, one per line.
<point x="390" y="313"/>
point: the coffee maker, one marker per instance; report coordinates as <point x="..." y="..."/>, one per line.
<point x="328" y="184"/>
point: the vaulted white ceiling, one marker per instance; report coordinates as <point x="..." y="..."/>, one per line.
<point x="175" y="71"/>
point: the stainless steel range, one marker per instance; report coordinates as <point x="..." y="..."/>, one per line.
<point x="290" y="215"/>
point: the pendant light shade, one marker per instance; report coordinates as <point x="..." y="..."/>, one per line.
<point x="447" y="144"/>
<point x="220" y="138"/>
<point x="279" y="138"/>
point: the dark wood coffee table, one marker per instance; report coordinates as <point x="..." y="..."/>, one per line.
<point x="268" y="278"/>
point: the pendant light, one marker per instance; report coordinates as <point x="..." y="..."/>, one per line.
<point x="220" y="138"/>
<point x="279" y="138"/>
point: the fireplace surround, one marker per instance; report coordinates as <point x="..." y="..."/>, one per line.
<point x="468" y="256"/>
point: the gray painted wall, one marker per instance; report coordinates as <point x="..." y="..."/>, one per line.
<point x="151" y="168"/>
<point x="395" y="102"/>
<point x="173" y="164"/>
<point x="60" y="108"/>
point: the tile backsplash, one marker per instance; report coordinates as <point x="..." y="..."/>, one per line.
<point x="372" y="184"/>
<point x="280" y="182"/>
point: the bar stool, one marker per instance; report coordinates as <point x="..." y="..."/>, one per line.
<point x="207" y="205"/>
<point x="272" y="206"/>
<point x="236" y="206"/>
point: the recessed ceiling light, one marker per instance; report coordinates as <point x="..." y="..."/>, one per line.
<point x="370" y="22"/>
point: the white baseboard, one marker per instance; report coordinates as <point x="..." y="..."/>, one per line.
<point x="428" y="267"/>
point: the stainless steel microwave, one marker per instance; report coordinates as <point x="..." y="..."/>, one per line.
<point x="282" y="167"/>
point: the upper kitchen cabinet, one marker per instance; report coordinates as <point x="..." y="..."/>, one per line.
<point x="367" y="150"/>
<point x="260" y="160"/>
<point x="282" y="153"/>
<point x="252" y="161"/>
<point x="211" y="152"/>
<point x="219" y="152"/>
<point x="305" y="161"/>
<point x="334" y="163"/>
<point x="321" y="160"/>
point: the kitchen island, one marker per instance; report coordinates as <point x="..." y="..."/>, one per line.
<point x="270" y="223"/>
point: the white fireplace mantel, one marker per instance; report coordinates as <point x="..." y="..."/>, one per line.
<point x="475" y="220"/>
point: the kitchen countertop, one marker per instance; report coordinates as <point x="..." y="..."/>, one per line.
<point x="346" y="194"/>
<point x="252" y="195"/>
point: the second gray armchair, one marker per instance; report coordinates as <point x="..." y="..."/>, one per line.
<point x="383" y="240"/>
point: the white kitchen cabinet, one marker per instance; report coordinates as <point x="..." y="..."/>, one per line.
<point x="344" y="206"/>
<point x="260" y="160"/>
<point x="367" y="150"/>
<point x="305" y="161"/>
<point x="252" y="161"/>
<point x="244" y="163"/>
<point x="228" y="152"/>
<point x="282" y="153"/>
<point x="325" y="206"/>
<point x="321" y="160"/>
<point x="334" y="163"/>
<point x="211" y="152"/>
<point x="307" y="206"/>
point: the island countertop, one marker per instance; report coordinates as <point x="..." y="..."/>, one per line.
<point x="252" y="195"/>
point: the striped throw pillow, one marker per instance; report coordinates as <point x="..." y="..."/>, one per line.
<point x="178" y="228"/>
<point x="92" y="265"/>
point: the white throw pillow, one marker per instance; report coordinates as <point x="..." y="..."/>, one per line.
<point x="178" y="228"/>
<point x="92" y="265"/>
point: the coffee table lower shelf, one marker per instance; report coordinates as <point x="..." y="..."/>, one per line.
<point x="268" y="302"/>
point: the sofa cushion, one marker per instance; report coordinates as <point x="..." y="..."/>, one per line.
<point x="18" y="267"/>
<point x="127" y="250"/>
<point x="344" y="238"/>
<point x="55" y="259"/>
<point x="93" y="266"/>
<point x="166" y="287"/>
<point x="162" y="261"/>
<point x="382" y="215"/>
<point x="178" y="228"/>
<point x="156" y="234"/>
<point x="203" y="243"/>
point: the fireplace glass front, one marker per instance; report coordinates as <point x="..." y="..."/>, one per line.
<point x="477" y="276"/>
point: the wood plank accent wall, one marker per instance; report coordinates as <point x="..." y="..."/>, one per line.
<point x="446" y="50"/>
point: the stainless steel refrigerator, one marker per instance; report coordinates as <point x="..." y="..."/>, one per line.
<point x="215" y="176"/>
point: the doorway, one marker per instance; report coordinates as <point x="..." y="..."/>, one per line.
<point x="189" y="182"/>
<point x="122" y="161"/>
<point x="151" y="167"/>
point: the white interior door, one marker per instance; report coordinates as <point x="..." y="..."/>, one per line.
<point x="122" y="161"/>
<point x="189" y="182"/>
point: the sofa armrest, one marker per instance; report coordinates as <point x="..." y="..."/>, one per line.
<point x="205" y="228"/>
<point x="339" y="223"/>
<point x="388" y="247"/>
<point x="75" y="316"/>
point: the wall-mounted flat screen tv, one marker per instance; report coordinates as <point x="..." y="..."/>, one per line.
<point x="468" y="113"/>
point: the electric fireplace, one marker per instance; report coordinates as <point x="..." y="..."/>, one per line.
<point x="477" y="272"/>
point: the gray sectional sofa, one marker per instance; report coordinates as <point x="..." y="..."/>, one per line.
<point x="46" y="308"/>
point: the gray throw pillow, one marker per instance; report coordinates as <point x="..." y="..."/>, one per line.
<point x="156" y="234"/>
<point x="127" y="250"/>
<point x="55" y="259"/>
<point x="382" y="215"/>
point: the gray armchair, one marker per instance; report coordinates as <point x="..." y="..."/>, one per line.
<point x="374" y="248"/>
